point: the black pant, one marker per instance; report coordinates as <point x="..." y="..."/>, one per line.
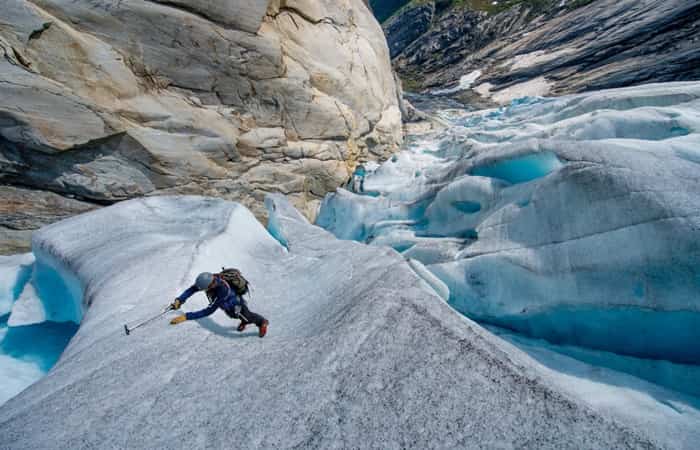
<point x="247" y="316"/>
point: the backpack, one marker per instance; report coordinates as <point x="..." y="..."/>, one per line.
<point x="235" y="279"/>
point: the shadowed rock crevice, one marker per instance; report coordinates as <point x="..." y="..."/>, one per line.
<point x="36" y="34"/>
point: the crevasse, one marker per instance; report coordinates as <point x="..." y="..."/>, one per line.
<point x="573" y="220"/>
<point x="44" y="308"/>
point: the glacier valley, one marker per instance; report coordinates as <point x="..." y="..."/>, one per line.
<point x="524" y="277"/>
<point x="569" y="226"/>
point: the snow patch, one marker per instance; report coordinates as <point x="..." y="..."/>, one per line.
<point x="483" y="89"/>
<point x="537" y="87"/>
<point x="465" y="82"/>
<point x="535" y="58"/>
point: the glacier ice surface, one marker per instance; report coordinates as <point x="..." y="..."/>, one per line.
<point x="575" y="219"/>
<point x="608" y="382"/>
<point x="360" y="352"/>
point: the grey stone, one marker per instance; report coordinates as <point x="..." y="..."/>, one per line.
<point x="402" y="29"/>
<point x="111" y="100"/>
<point x="246" y="15"/>
<point x="24" y="210"/>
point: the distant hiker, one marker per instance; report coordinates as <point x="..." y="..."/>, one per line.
<point x="358" y="179"/>
<point x="223" y="294"/>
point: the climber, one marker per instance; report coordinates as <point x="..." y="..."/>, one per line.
<point x="221" y="295"/>
<point x="358" y="179"/>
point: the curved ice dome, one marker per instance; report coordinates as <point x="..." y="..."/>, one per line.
<point x="360" y="351"/>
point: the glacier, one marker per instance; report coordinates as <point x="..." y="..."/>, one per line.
<point x="31" y="339"/>
<point x="361" y="351"/>
<point x="574" y="219"/>
<point x="15" y="271"/>
<point x="567" y="228"/>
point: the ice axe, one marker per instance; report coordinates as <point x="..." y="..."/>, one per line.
<point x="128" y="330"/>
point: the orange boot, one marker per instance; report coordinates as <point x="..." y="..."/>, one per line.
<point x="262" y="330"/>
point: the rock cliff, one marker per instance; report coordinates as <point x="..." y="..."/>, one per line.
<point x="102" y="101"/>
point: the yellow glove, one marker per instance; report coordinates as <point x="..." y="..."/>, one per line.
<point x="176" y="304"/>
<point x="178" y="319"/>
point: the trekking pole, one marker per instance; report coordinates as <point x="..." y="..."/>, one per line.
<point x="128" y="330"/>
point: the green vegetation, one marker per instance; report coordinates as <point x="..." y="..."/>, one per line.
<point x="384" y="9"/>
<point x="406" y="5"/>
<point x="573" y="4"/>
<point x="502" y="5"/>
<point x="411" y="82"/>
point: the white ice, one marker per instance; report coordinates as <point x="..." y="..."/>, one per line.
<point x="28" y="309"/>
<point x="546" y="216"/>
<point x="537" y="87"/>
<point x="14" y="273"/>
<point x="465" y="82"/>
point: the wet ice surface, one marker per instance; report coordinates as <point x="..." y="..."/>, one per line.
<point x="574" y="220"/>
<point x="360" y="353"/>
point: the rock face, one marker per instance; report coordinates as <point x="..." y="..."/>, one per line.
<point x="546" y="48"/>
<point x="107" y="101"/>
<point x="420" y="18"/>
<point x="22" y="210"/>
<point x="329" y="374"/>
<point x="385" y="8"/>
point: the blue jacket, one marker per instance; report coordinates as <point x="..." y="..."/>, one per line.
<point x="222" y="297"/>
